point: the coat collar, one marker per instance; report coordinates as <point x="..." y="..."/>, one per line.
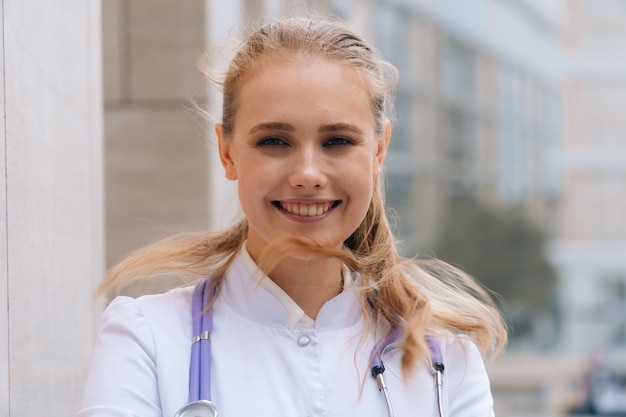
<point x="244" y="294"/>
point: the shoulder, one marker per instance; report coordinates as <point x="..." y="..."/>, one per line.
<point x="151" y="314"/>
<point x="458" y="348"/>
<point x="173" y="302"/>
<point x="459" y="354"/>
<point x="165" y="304"/>
<point x="465" y="373"/>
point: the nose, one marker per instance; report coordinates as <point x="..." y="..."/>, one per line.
<point x="308" y="170"/>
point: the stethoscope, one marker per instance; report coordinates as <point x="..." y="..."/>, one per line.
<point x="200" y="404"/>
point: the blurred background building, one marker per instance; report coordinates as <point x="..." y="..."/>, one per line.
<point x="589" y="245"/>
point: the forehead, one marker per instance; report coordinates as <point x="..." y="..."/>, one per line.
<point x="273" y="63"/>
<point x="278" y="82"/>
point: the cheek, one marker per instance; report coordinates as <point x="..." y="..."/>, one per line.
<point x="254" y="187"/>
<point x="249" y="187"/>
<point x="362" y="170"/>
<point x="359" y="181"/>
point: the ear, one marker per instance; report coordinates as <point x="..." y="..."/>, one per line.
<point x="230" y="171"/>
<point x="381" y="149"/>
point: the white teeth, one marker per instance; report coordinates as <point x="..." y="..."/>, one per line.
<point x="306" y="210"/>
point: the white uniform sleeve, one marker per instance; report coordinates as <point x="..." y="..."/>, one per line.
<point x="468" y="390"/>
<point x="122" y="379"/>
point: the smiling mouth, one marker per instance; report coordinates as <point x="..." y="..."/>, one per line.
<point x="306" y="210"/>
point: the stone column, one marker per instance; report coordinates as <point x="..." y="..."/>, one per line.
<point x="51" y="217"/>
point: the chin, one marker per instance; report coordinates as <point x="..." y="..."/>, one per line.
<point x="304" y="247"/>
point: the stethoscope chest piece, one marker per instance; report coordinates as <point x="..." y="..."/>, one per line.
<point x="201" y="408"/>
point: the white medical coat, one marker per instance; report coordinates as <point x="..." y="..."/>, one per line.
<point x="141" y="361"/>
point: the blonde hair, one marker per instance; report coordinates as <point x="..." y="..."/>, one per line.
<point x="310" y="38"/>
<point x="418" y="296"/>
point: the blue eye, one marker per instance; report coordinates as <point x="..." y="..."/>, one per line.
<point x="272" y="141"/>
<point x="338" y="141"/>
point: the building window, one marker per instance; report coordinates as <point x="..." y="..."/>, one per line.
<point x="404" y="131"/>
<point x="458" y="148"/>
<point x="457" y="70"/>
<point x="399" y="196"/>
<point x="392" y="29"/>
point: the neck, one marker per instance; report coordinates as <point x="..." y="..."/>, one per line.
<point x="310" y="283"/>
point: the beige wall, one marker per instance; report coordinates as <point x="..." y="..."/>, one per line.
<point x="155" y="146"/>
<point x="51" y="227"/>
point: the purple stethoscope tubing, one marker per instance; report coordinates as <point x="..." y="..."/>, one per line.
<point x="200" y="404"/>
<point x="200" y="365"/>
<point x="200" y="388"/>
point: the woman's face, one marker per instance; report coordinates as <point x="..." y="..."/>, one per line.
<point x="304" y="150"/>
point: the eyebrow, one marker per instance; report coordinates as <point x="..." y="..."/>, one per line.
<point x="338" y="127"/>
<point x="272" y="126"/>
<point x="334" y="127"/>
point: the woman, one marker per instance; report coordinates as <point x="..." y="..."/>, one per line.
<point x="303" y="289"/>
